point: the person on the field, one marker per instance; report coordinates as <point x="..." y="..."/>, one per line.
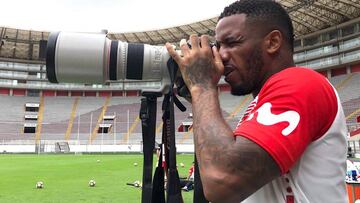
<point x="290" y="146"/>
<point x="188" y="184"/>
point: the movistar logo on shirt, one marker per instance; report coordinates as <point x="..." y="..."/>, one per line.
<point x="265" y="117"/>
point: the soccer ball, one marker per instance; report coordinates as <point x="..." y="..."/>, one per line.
<point x="92" y="183"/>
<point x="137" y="184"/>
<point x="135" y="164"/>
<point x="182" y="165"/>
<point x="39" y="185"/>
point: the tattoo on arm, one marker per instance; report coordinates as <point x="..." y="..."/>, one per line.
<point x="216" y="147"/>
<point x="200" y="72"/>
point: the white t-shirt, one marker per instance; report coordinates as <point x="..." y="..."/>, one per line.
<point x="298" y="119"/>
<point x="191" y="176"/>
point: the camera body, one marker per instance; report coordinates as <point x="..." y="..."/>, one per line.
<point x="92" y="58"/>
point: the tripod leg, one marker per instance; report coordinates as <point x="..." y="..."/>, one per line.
<point x="148" y="118"/>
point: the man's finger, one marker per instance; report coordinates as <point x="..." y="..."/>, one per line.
<point x="194" y="39"/>
<point x="173" y="53"/>
<point x="204" y="41"/>
<point x="184" y="47"/>
<point x="218" y="61"/>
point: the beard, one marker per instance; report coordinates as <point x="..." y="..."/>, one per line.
<point x="252" y="79"/>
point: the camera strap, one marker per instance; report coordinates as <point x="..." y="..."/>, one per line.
<point x="173" y="181"/>
<point x="158" y="191"/>
<point x="153" y="190"/>
<point x="199" y="196"/>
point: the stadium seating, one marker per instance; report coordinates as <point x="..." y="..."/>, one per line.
<point x="73" y="112"/>
<point x="350" y="90"/>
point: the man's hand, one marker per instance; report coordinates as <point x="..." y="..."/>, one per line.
<point x="182" y="89"/>
<point x="201" y="66"/>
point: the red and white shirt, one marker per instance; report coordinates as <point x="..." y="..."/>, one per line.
<point x="298" y="119"/>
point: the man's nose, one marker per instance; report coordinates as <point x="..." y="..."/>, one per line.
<point x="224" y="54"/>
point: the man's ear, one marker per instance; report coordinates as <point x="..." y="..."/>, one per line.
<point x="273" y="41"/>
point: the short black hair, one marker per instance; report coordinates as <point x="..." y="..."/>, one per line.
<point x="267" y="11"/>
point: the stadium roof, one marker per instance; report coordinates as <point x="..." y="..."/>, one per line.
<point x="308" y="16"/>
<point x="112" y="15"/>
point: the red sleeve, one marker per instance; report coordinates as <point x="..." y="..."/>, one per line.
<point x="191" y="170"/>
<point x="295" y="107"/>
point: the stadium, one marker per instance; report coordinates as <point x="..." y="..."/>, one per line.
<point x="90" y="127"/>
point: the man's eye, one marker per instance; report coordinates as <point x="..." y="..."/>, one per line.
<point x="227" y="44"/>
<point x="234" y="43"/>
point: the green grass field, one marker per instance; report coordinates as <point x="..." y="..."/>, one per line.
<point x="66" y="178"/>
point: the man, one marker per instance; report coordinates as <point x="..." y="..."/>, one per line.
<point x="290" y="146"/>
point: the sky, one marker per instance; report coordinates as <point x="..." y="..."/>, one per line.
<point x="112" y="15"/>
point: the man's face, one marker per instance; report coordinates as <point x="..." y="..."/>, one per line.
<point x="240" y="49"/>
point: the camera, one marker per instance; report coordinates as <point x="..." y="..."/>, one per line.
<point x="92" y="58"/>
